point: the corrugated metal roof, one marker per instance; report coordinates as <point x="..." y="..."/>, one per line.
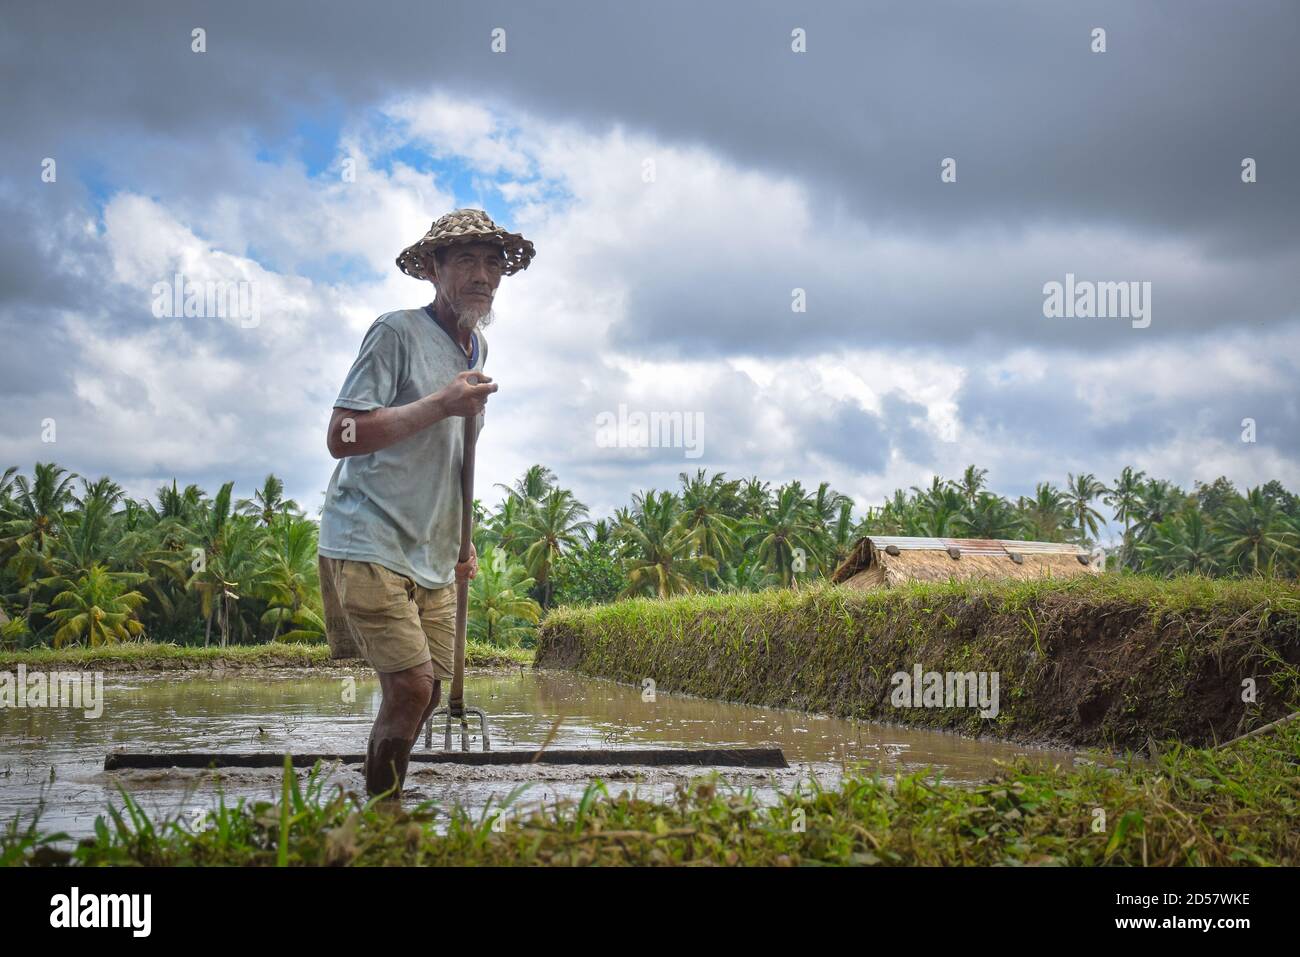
<point x="904" y="543"/>
<point x="1043" y="548"/>
<point x="974" y="546"/>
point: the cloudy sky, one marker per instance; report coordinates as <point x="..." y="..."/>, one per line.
<point x="682" y="171"/>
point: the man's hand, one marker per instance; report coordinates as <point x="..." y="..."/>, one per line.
<point x="360" y="433"/>
<point x="468" y="569"/>
<point x="468" y="394"/>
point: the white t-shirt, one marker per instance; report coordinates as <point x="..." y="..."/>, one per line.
<point x="400" y="507"/>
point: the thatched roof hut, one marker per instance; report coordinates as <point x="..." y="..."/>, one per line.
<point x="882" y="561"/>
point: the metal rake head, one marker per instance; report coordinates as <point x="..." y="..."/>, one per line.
<point x="464" y="728"/>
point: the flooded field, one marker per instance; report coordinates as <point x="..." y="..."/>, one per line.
<point x="57" y="755"/>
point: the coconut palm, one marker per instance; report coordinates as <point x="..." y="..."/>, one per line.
<point x="290" y="580"/>
<point x="755" y="497"/>
<point x="1046" y="515"/>
<point x="6" y="489"/>
<point x="544" y="531"/>
<point x="1080" y="491"/>
<point x="1256" y="533"/>
<point x="183" y="507"/>
<point x="991" y="516"/>
<point x="536" y="482"/>
<point x="1158" y="500"/>
<point x="1125" y="497"/>
<point x="501" y="613"/>
<point x="971" y="484"/>
<point x="660" y="560"/>
<point x="898" y="516"/>
<point x="708" y="529"/>
<point x="747" y="576"/>
<point x="268" y="502"/>
<point x="38" y="507"/>
<point x="937" y="511"/>
<point x="97" y="609"/>
<point x="1183" y="544"/>
<point x="229" y="564"/>
<point x="39" y="510"/>
<point x="842" y="537"/>
<point x="789" y="523"/>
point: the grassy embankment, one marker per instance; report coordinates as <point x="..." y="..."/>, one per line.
<point x="1235" y="805"/>
<point x="146" y="656"/>
<point x="1096" y="661"/>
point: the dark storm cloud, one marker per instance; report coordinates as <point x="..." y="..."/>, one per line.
<point x="1052" y="420"/>
<point x="1149" y="134"/>
<point x="1145" y="139"/>
<point x="1141" y="144"/>
<point x="851" y="436"/>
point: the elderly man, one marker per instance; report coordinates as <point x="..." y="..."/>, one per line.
<point x="390" y="528"/>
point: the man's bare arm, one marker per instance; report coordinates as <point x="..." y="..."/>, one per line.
<point x="360" y="433"/>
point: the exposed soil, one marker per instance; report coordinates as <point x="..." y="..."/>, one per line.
<point x="1094" y="664"/>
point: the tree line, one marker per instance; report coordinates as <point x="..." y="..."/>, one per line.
<point x="83" y="563"/>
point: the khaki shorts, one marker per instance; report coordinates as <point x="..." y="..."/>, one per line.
<point x="394" y="623"/>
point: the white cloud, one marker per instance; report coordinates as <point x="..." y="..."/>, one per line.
<point x="573" y="338"/>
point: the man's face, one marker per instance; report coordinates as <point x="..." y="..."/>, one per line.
<point x="467" y="279"/>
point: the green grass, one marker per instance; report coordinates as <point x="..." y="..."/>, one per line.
<point x="1093" y="661"/>
<point x="1235" y="806"/>
<point x="161" y="657"/>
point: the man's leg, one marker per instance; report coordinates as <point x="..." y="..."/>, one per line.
<point x="428" y="712"/>
<point x="438" y="619"/>
<point x="406" y="696"/>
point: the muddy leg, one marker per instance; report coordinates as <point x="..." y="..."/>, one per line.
<point x="406" y="695"/>
<point x="433" y="703"/>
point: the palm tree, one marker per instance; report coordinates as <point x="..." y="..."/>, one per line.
<point x="1125" y="496"/>
<point x="937" y="511"/>
<point x="1158" y="500"/>
<point x="544" y="531"/>
<point x="788" y="524"/>
<point x="708" y="529"/>
<point x="536" y="482"/>
<point x="88" y="534"/>
<point x="96" y="608"/>
<point x="6" y="487"/>
<point x="183" y="506"/>
<point x="1183" y="544"/>
<point x="501" y="613"/>
<point x="39" y="511"/>
<point x="1046" y="515"/>
<point x="1255" y="532"/>
<point x="747" y="576"/>
<point x="268" y="502"/>
<point x="1079" y="494"/>
<point x="754" y="497"/>
<point x="898" y="516"/>
<point x="39" y="506"/>
<point x="291" y="580"/>
<point x="971" y="484"/>
<point x="659" y="557"/>
<point x="232" y="563"/>
<point x="991" y="516"/>
<point x="842" y="537"/>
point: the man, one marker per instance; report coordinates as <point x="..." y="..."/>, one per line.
<point x="390" y="528"/>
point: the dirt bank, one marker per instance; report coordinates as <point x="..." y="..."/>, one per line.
<point x="1105" y="662"/>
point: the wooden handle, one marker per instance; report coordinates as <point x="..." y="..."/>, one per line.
<point x="456" y="700"/>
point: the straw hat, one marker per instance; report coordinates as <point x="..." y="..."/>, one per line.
<point x="464" y="226"/>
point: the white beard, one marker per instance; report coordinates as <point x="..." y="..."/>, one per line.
<point x="475" y="317"/>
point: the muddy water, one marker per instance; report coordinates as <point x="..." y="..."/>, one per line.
<point x="57" y="755"/>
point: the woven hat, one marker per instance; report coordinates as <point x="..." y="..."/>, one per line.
<point x="464" y="226"/>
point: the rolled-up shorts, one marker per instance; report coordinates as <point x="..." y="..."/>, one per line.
<point x="395" y="623"/>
